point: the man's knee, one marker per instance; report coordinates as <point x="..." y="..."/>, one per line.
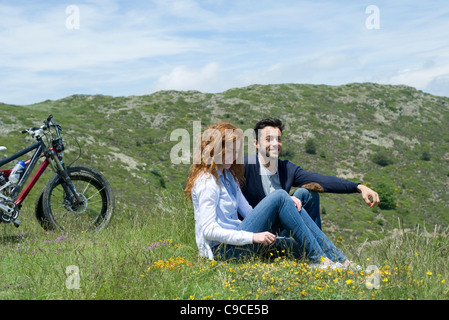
<point x="311" y="203"/>
<point x="306" y="195"/>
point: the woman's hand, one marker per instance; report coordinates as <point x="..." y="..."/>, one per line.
<point x="264" y="238"/>
<point x="297" y="202"/>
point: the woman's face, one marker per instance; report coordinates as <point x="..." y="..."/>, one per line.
<point x="231" y="155"/>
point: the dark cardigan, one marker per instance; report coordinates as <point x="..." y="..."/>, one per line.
<point x="290" y="175"/>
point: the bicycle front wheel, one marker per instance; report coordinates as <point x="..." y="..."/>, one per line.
<point x="93" y="213"/>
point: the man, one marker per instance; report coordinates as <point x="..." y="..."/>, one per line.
<point x="265" y="172"/>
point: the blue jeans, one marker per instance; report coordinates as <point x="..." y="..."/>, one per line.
<point x="311" y="203"/>
<point x="278" y="212"/>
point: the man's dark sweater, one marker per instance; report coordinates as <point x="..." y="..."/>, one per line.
<point x="290" y="175"/>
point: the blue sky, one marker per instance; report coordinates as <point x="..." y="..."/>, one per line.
<point x="124" y="48"/>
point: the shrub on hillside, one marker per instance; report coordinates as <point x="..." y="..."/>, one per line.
<point x="310" y="146"/>
<point x="382" y="158"/>
<point x="425" y="156"/>
<point x="386" y="195"/>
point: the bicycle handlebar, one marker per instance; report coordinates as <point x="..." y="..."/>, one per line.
<point x="35" y="131"/>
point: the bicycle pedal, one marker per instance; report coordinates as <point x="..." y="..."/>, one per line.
<point x="17" y="223"/>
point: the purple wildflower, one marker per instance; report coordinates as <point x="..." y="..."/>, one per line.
<point x="59" y="239"/>
<point x="157" y="244"/>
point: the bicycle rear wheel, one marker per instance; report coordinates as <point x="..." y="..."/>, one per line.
<point x="93" y="214"/>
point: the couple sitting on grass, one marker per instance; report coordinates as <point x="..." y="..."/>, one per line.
<point x="232" y="224"/>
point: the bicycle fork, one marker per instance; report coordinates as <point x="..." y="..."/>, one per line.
<point x="75" y="199"/>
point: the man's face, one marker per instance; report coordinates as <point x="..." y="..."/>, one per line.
<point x="270" y="142"/>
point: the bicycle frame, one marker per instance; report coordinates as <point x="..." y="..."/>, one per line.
<point x="29" y="166"/>
<point x="51" y="158"/>
<point x="51" y="149"/>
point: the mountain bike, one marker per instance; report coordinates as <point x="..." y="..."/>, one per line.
<point x="76" y="198"/>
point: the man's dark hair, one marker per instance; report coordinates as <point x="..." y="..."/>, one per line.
<point x="267" y="122"/>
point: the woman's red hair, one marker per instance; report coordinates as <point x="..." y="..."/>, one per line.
<point x="216" y="139"/>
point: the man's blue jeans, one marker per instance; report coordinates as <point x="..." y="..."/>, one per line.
<point x="311" y="203"/>
<point x="278" y="212"/>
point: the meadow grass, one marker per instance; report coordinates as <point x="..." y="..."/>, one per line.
<point x="150" y="253"/>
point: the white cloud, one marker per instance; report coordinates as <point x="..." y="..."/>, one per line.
<point x="45" y="45"/>
<point x="207" y="79"/>
<point x="423" y="77"/>
<point x="439" y="85"/>
<point x="41" y="59"/>
<point x="130" y="47"/>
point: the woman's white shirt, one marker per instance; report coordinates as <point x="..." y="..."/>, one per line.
<point x="216" y="209"/>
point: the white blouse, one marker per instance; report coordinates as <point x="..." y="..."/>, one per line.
<point x="215" y="208"/>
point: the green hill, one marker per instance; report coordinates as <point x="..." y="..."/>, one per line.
<point x="393" y="138"/>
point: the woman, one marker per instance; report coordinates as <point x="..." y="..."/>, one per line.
<point x="213" y="186"/>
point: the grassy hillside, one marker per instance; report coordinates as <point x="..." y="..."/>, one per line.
<point x="392" y="138"/>
<point x="153" y="255"/>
